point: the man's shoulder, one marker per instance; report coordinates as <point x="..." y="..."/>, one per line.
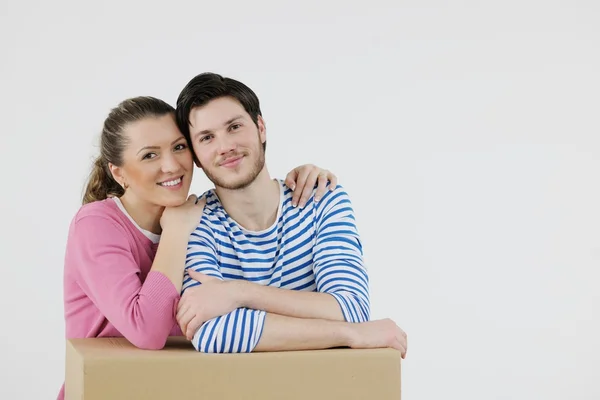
<point x="213" y="216"/>
<point x="212" y="202"/>
<point x="336" y="192"/>
<point x="333" y="199"/>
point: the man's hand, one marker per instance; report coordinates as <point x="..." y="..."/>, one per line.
<point x="378" y="334"/>
<point x="213" y="298"/>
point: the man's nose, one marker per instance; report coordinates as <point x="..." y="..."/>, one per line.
<point x="226" y="144"/>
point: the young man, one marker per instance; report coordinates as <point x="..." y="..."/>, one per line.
<point x="262" y="274"/>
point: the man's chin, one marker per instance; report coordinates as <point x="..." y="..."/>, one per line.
<point x="234" y="179"/>
<point x="233" y="184"/>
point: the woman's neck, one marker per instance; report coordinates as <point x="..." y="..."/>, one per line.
<point x="146" y="215"/>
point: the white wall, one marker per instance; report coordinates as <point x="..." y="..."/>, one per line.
<point x="475" y="125"/>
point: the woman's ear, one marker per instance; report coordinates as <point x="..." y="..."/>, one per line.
<point x="117" y="174"/>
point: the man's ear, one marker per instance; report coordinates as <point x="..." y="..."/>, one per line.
<point x="262" y="129"/>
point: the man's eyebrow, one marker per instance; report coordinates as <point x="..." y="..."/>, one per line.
<point x="158" y="147"/>
<point x="207" y="131"/>
<point x="232" y="119"/>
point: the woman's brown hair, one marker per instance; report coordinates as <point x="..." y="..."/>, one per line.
<point x="101" y="183"/>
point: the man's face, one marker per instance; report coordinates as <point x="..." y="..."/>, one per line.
<point x="227" y="143"/>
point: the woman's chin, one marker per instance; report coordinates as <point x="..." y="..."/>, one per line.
<point x="173" y="201"/>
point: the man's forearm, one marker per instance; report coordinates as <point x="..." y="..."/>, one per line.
<point x="245" y="330"/>
<point x="283" y="333"/>
<point x="291" y="303"/>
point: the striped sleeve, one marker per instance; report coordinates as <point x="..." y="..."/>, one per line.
<point x="338" y="257"/>
<point x="236" y="332"/>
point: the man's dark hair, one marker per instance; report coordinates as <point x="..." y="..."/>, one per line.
<point x="209" y="86"/>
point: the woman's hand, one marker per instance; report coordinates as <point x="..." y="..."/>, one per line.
<point x="302" y="181"/>
<point x="184" y="218"/>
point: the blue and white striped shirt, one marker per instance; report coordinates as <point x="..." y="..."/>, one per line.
<point x="314" y="248"/>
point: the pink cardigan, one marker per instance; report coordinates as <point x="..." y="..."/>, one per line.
<point x="108" y="289"/>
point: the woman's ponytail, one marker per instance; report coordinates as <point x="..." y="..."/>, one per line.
<point x="101" y="184"/>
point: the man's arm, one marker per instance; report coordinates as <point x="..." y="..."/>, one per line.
<point x="234" y="329"/>
<point x="293" y="303"/>
<point x="282" y="333"/>
<point x="237" y="329"/>
<point x="341" y="277"/>
<point x="245" y="330"/>
<point x="339" y="272"/>
<point x="338" y="257"/>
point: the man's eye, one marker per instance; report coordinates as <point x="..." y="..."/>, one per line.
<point x="236" y="126"/>
<point x="205" y="138"/>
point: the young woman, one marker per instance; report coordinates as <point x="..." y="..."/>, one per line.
<point x="119" y="279"/>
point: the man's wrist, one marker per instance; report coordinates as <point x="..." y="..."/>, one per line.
<point x="347" y="334"/>
<point x="243" y="293"/>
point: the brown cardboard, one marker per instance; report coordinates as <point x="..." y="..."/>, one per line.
<point x="112" y="368"/>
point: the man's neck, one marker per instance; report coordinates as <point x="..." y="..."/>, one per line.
<point x="145" y="215"/>
<point x="254" y="207"/>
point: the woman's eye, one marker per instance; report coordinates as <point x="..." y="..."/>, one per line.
<point x="149" y="156"/>
<point x="181" y="146"/>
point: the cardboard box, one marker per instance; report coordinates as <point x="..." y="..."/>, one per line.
<point x="113" y="369"/>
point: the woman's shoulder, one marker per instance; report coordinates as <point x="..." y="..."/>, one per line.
<point x="101" y="208"/>
<point x="99" y="214"/>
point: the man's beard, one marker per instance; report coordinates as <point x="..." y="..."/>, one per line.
<point x="244" y="181"/>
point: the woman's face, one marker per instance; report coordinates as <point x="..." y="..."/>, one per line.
<point x="157" y="163"/>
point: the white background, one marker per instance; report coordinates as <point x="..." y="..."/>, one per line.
<point x="466" y="133"/>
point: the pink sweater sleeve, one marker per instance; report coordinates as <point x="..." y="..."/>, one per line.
<point x="108" y="273"/>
